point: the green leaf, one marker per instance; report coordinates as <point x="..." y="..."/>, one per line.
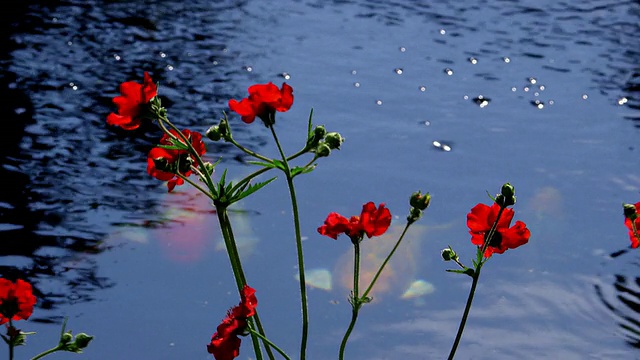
<point x="310" y="126"/>
<point x="251" y="189"/>
<point x="263" y="164"/>
<point x="279" y="164"/>
<point x="302" y="170"/>
<point x="465" y="271"/>
<point x="169" y="147"/>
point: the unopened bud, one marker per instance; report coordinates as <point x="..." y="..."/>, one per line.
<point x="82" y="340"/>
<point x="333" y="140"/>
<point x="630" y="211"/>
<point x="448" y="254"/>
<point x="66" y="337"/>
<point x="323" y="150"/>
<point x="420" y="201"/>
<point x="214" y="133"/>
<point x="319" y="132"/>
<point x="209" y="167"/>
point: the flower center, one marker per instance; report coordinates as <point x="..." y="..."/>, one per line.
<point x="496" y="239"/>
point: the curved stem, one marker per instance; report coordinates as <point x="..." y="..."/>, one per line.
<point x="465" y="315"/>
<point x="384" y="263"/>
<point x="247" y="151"/>
<point x="300" y="253"/>
<point x="343" y="345"/>
<point x="267" y="341"/>
<point x="45" y="353"/>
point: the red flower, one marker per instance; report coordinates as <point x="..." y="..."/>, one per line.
<point x="130" y="103"/>
<point x="225" y="343"/>
<point x="372" y="221"/>
<point x="16" y="300"/>
<point x="481" y="219"/>
<point x="635" y="242"/>
<point x="263" y="101"/>
<point x="164" y="164"/>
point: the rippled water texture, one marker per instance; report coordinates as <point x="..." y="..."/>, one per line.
<point x="449" y="97"/>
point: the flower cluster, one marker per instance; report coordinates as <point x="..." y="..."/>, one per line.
<point x="16" y="300"/>
<point x="165" y="162"/>
<point x="263" y="101"/>
<point x="225" y="343"/>
<point x="372" y="221"/>
<point x="172" y="157"/>
<point x="131" y="103"/>
<point x="481" y="219"/>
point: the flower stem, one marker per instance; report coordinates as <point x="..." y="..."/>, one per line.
<point x="356" y="301"/>
<point x="45" y="353"/>
<point x="465" y="315"/>
<point x="267" y="341"/>
<point x="384" y="263"/>
<point x="11" y="340"/>
<point x="300" y="253"/>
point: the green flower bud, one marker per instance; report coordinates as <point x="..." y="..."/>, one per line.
<point x="214" y="133"/>
<point x="323" y="150"/>
<point x="448" y="254"/>
<point x="319" y="132"/>
<point x="82" y="340"/>
<point x="630" y="211"/>
<point x="66" y="337"/>
<point x="420" y="201"/>
<point x="414" y="215"/>
<point x="508" y="195"/>
<point x="333" y="140"/>
<point x="209" y="167"/>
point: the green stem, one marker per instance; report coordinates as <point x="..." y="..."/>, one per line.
<point x="45" y="353"/>
<point x="465" y="315"/>
<point x="249" y="152"/>
<point x="234" y="259"/>
<point x="267" y="341"/>
<point x="300" y="253"/>
<point x="384" y="263"/>
<point x="11" y="340"/>
<point x="356" y="300"/>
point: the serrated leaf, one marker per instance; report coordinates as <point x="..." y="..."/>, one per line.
<point x="262" y="163"/>
<point x="251" y="189"/>
<point x="301" y="170"/>
<point x="169" y="147"/>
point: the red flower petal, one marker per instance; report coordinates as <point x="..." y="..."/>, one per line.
<point x="133" y="97"/>
<point x="334" y="225"/>
<point x="375" y="222"/>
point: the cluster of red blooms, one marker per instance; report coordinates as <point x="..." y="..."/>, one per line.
<point x="481" y="219"/>
<point x="16" y="300"/>
<point x="372" y="221"/>
<point x="163" y="163"/>
<point x="225" y="343"/>
<point x="635" y="242"/>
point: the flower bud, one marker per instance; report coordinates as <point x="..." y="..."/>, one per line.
<point x="448" y="254"/>
<point x="323" y="150"/>
<point x="508" y="195"/>
<point x="420" y="201"/>
<point x="209" y="167"/>
<point x="414" y="215"/>
<point x="214" y="133"/>
<point x="630" y="211"/>
<point x="82" y="340"/>
<point x="333" y="140"/>
<point x="66" y="337"/>
<point x="319" y="132"/>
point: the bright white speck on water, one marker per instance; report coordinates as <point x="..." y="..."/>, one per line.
<point x="526" y="89"/>
<point x="69" y="43"/>
<point x="286" y="75"/>
<point x="541" y="87"/>
<point x="506" y="59"/>
<point x="448" y="71"/>
<point x="551" y="102"/>
<point x="532" y="80"/>
<point x="423" y="88"/>
<point x="248" y="68"/>
<point x="398" y="71"/>
<point x="585" y="96"/>
<point x="169" y="67"/>
<point x="466" y="97"/>
<point x="514" y="89"/>
<point x="378" y="102"/>
<point x="622" y="101"/>
<point x="356" y="84"/>
<point x="353" y="72"/>
<point x="403" y="49"/>
<point x="443" y="31"/>
<point x="536" y="94"/>
<point x="473" y="60"/>
<point x="163" y="55"/>
<point x="215" y="62"/>
<point x="427" y="123"/>
<point x="539" y="104"/>
<point x="117" y="57"/>
<point x="73" y="86"/>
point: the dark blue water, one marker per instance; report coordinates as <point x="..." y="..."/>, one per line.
<point x="543" y="95"/>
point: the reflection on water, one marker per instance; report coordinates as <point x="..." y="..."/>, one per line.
<point x="547" y="79"/>
<point x="622" y="295"/>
